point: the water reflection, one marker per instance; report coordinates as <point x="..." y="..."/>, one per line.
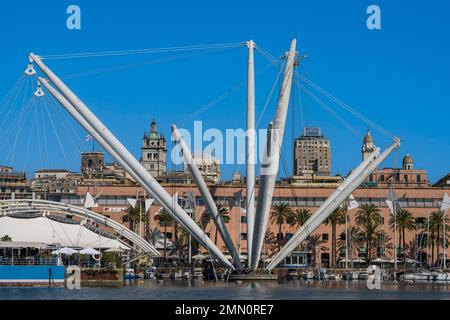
<point x="240" y="290"/>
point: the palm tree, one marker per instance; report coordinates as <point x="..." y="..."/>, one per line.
<point x="313" y="244"/>
<point x="301" y="216"/>
<point x="279" y="215"/>
<point x="132" y="217"/>
<point x="368" y="218"/>
<point x="270" y="242"/>
<point x="405" y="221"/>
<point x="354" y="241"/>
<point x="335" y="219"/>
<point x="6" y="238"/>
<point x="164" y="219"/>
<point x="224" y="215"/>
<point x="436" y="232"/>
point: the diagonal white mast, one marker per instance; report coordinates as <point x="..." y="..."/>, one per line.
<point x="269" y="167"/>
<point x="124" y="157"/>
<point x="352" y="182"/>
<point x="250" y="149"/>
<point x="206" y="195"/>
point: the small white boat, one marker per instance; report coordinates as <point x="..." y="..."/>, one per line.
<point x="198" y="273"/>
<point x="334" y="276"/>
<point x="187" y="275"/>
<point x="150" y="273"/>
<point x="129" y="274"/>
<point x="363" y="275"/>
<point x="351" y="275"/>
<point x="292" y="274"/>
<point x="176" y="275"/>
<point x="423" y="276"/>
<point x="308" y="275"/>
<point x="439" y="275"/>
<point x="410" y="277"/>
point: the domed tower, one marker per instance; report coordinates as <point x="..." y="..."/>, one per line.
<point x="154" y="150"/>
<point x="408" y="162"/>
<point x="368" y="145"/>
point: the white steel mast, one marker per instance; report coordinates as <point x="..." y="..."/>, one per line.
<point x="126" y="159"/>
<point x="206" y="195"/>
<point x="269" y="166"/>
<point x="250" y="149"/>
<point x="352" y="182"/>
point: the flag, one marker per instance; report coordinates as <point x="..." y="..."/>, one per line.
<point x="352" y="203"/>
<point x="445" y="203"/>
<point x="88" y="137"/>
<point x="132" y="202"/>
<point x="89" y="201"/>
<point x="390" y="205"/>
<point x="148" y="204"/>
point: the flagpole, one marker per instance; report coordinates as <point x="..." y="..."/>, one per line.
<point x="346" y="239"/>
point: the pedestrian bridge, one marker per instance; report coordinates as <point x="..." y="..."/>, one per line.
<point x="27" y="219"/>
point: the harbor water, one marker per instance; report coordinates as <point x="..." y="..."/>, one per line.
<point x="140" y="289"/>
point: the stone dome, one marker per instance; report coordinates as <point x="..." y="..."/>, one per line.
<point x="408" y="159"/>
<point x="368" y="138"/>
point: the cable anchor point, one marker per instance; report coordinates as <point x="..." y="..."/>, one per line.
<point x="29" y="71"/>
<point x="39" y="92"/>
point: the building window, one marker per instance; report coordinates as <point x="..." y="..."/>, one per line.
<point x="243" y="236"/>
<point x="325" y="236"/>
<point x="418" y="178"/>
<point x="421" y="223"/>
<point x="382" y="178"/>
<point x="243" y="219"/>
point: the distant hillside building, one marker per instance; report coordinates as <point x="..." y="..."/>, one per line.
<point x="444" y="182"/>
<point x="51" y="173"/>
<point x="92" y="161"/>
<point x="312" y="153"/>
<point x="13" y="184"/>
<point x="154" y="151"/>
<point x="405" y="177"/>
<point x="368" y="145"/>
<point x="208" y="166"/>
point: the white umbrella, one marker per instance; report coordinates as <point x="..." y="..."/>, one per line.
<point x="115" y="250"/>
<point x="408" y="260"/>
<point x="380" y="260"/>
<point x="89" y="251"/>
<point x="65" y="250"/>
<point x="359" y="260"/>
<point x="393" y="261"/>
<point x="199" y="257"/>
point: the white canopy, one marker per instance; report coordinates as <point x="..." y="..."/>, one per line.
<point x="50" y="232"/>
<point x="115" y="250"/>
<point x="65" y="250"/>
<point x="89" y="251"/>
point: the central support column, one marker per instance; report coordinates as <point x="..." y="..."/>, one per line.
<point x="270" y="164"/>
<point x="250" y="150"/>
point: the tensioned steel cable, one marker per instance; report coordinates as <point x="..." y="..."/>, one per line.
<point x="141" y="51"/>
<point x="330" y="96"/>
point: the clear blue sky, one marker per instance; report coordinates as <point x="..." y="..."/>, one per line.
<point x="398" y="77"/>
